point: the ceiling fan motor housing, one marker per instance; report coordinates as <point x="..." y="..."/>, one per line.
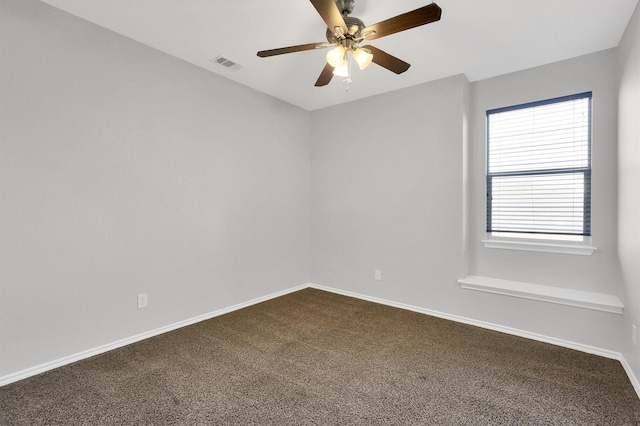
<point x="354" y="28"/>
<point x="354" y="25"/>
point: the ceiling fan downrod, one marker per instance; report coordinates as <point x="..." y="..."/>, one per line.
<point x="345" y="6"/>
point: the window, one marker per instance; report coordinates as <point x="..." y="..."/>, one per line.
<point x="539" y="169"/>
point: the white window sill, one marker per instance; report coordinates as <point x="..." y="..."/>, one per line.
<point x="549" y="247"/>
<point x="562" y="296"/>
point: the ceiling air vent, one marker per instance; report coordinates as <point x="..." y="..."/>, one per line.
<point x="226" y="63"/>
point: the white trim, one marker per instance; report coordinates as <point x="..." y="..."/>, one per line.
<point x="32" y="371"/>
<point x="490" y="326"/>
<point x="14" y="377"/>
<point x="632" y="377"/>
<point x="579" y="249"/>
<point x="562" y="296"/>
<point x="606" y="353"/>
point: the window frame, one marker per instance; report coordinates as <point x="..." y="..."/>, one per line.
<point x="569" y="243"/>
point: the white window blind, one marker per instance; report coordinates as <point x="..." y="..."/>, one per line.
<point x="539" y="167"/>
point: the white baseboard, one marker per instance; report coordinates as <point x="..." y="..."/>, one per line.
<point x="495" y="327"/>
<point x="32" y="371"/>
<point x="632" y="377"/>
<point x="23" y="374"/>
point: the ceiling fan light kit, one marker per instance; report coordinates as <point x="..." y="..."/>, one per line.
<point x="345" y="32"/>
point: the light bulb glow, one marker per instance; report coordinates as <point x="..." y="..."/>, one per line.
<point x="363" y="57"/>
<point x="342" y="70"/>
<point x="335" y="57"/>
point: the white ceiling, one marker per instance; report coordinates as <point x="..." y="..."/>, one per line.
<point x="478" y="38"/>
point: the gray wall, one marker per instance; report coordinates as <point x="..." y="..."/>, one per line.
<point x="598" y="272"/>
<point x="629" y="182"/>
<point x="124" y="170"/>
<point x="387" y="194"/>
<point x="404" y="193"/>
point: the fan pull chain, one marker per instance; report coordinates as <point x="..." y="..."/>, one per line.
<point x="348" y="79"/>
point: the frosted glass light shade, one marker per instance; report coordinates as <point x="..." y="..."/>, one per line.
<point x="363" y="57"/>
<point x="342" y="70"/>
<point x="336" y="56"/>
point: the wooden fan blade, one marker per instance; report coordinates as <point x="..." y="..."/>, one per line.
<point x="292" y="49"/>
<point x="325" y="76"/>
<point x="387" y="61"/>
<point x="406" y="21"/>
<point x="330" y="14"/>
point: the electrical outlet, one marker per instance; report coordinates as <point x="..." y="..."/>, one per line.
<point x="378" y="275"/>
<point x="634" y="335"/>
<point x="142" y="300"/>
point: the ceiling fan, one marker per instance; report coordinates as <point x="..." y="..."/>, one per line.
<point x="346" y="32"/>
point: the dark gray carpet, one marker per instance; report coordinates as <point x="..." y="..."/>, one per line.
<point x="314" y="357"/>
